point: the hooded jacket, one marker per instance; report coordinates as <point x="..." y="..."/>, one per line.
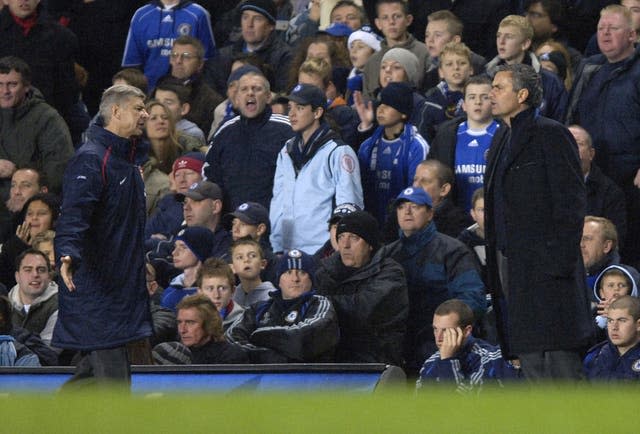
<point x="42" y="315"/>
<point x="101" y="227"/>
<point x="154" y="29"/>
<point x="33" y="133"/>
<point x="633" y="276"/>
<point x="305" y="191"/>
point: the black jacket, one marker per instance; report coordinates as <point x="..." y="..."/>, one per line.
<point x="372" y="304"/>
<point x="543" y="201"/>
<point x="606" y="199"/>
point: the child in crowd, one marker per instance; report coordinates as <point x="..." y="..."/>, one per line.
<point x="462" y="144"/>
<point x="614" y="281"/>
<point x="175" y="96"/>
<point x="251" y="220"/>
<point x="362" y="44"/>
<point x="445" y="100"/>
<point x="388" y="159"/>
<point x="473" y="236"/>
<point x="192" y="247"/>
<point x="247" y="263"/>
<point x="215" y="280"/>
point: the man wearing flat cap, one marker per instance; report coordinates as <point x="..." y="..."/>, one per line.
<point x="368" y="291"/>
<point x="437" y="268"/>
<point x="257" y="21"/>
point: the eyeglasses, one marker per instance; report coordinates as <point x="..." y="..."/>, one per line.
<point x="183" y="56"/>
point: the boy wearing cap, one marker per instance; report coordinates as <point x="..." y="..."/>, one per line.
<point x="388" y="159"/>
<point x="437" y="268"/>
<point x="295" y="325"/>
<point x="192" y="248"/>
<point x="369" y="292"/>
<point x="314" y="171"/>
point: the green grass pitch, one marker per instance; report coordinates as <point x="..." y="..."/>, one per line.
<point x="523" y="410"/>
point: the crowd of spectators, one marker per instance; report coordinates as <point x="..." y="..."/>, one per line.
<point x="315" y="179"/>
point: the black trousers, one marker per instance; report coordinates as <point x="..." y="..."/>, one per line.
<point x="107" y="368"/>
<point x="552" y="365"/>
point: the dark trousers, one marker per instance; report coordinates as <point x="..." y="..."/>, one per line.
<point x="100" y="368"/>
<point x="551" y="365"/>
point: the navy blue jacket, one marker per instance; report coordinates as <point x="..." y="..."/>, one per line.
<point x="438" y="268"/>
<point x="101" y="227"/>
<point x="604" y="362"/>
<point x="242" y="157"/>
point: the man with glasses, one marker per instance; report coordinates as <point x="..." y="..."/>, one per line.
<point x="187" y="60"/>
<point x="153" y="29"/>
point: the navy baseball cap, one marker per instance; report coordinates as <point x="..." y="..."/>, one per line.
<point x="415" y="195"/>
<point x="264" y="7"/>
<point x="308" y="94"/>
<point x="252" y="213"/>
<point x="201" y="190"/>
<point x="342" y="210"/>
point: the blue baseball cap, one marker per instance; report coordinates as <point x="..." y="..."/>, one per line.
<point x="308" y="94"/>
<point x="337" y="29"/>
<point x="415" y="195"/>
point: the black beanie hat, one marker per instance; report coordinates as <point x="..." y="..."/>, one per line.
<point x="363" y="225"/>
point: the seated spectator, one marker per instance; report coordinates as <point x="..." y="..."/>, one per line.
<point x="160" y="131"/>
<point x="168" y="217"/>
<point x="462" y="143"/>
<point x="248" y="263"/>
<point x="25" y="182"/>
<point x="192" y="248"/>
<point x="153" y="29"/>
<point x="437" y="180"/>
<point x="176" y="97"/>
<point x="437" y="268"/>
<point x="295" y="325"/>
<point x="34" y="298"/>
<point x="251" y="219"/>
<point x="604" y="197"/>
<point x="388" y="159"/>
<point x="444" y="26"/>
<point x="34" y="134"/>
<point x="40" y="213"/>
<point x="314" y="170"/>
<point x="331" y="246"/>
<point x="44" y="243"/>
<point x="215" y="280"/>
<point x="445" y="100"/>
<point x="468" y="362"/>
<point x="12" y="352"/>
<point x="162" y="319"/>
<point x="599" y="247"/>
<point x="614" y="282"/>
<point x="362" y="43"/>
<point x="368" y="291"/>
<point x="616" y="359"/>
<point x="200" y="330"/>
<point x="133" y="77"/>
<point x="473" y="236"/>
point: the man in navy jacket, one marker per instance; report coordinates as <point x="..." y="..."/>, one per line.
<point x="103" y="301"/>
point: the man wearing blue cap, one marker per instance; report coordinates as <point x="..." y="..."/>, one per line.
<point x="315" y="170"/>
<point x="258" y="22"/>
<point x="437" y="268"/>
<point x="295" y="324"/>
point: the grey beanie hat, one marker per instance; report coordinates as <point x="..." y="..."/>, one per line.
<point x="409" y="62"/>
